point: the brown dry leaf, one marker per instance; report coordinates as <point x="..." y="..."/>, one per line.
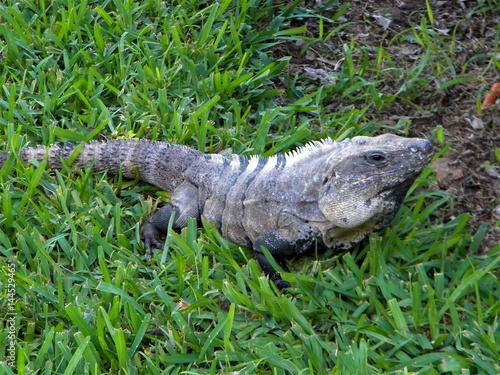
<point x="447" y="172"/>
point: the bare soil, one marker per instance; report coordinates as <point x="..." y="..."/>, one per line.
<point x="469" y="169"/>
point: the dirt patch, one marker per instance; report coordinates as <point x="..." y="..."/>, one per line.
<point x="469" y="169"/>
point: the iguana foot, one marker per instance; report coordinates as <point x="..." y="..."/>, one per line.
<point x="154" y="230"/>
<point x="152" y="238"/>
<point x="279" y="282"/>
<point x="280" y="247"/>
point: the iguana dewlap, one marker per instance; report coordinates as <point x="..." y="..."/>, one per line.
<point x="327" y="192"/>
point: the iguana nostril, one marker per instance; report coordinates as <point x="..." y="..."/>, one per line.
<point x="422" y="145"/>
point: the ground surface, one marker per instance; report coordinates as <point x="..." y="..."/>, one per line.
<point x="469" y="169"/>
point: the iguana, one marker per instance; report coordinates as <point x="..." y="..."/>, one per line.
<point x="326" y="192"/>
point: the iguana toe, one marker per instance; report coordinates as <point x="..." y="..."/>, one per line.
<point x="282" y="284"/>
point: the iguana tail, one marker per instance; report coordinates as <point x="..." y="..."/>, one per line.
<point x="157" y="163"/>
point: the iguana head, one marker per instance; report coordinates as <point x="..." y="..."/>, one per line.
<point x="366" y="182"/>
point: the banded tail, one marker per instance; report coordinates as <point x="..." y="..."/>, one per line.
<point x="157" y="163"/>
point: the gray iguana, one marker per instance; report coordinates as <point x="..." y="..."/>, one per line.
<point x="326" y="192"/>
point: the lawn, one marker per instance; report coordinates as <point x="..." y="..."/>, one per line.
<point x="77" y="294"/>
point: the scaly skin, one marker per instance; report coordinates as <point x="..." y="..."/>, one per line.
<point x="331" y="193"/>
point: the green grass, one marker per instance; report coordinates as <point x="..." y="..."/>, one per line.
<point x="415" y="298"/>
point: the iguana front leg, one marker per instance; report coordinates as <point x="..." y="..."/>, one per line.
<point x="296" y="239"/>
<point x="184" y="206"/>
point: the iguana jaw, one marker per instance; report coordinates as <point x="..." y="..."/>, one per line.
<point x="368" y="193"/>
<point x="344" y="235"/>
<point x="349" y="224"/>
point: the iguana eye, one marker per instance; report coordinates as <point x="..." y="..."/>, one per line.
<point x="376" y="158"/>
